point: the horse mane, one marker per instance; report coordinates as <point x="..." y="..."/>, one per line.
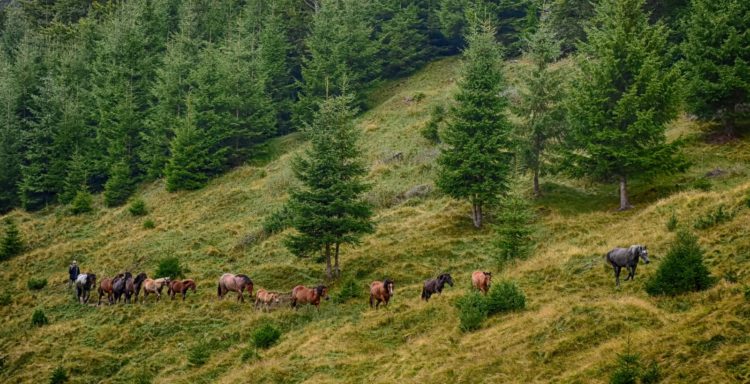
<point x="128" y="275"/>
<point x="140" y="277"/>
<point x="246" y="278"/>
<point x="319" y="290"/>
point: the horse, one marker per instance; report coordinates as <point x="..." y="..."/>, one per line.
<point x="137" y="284"/>
<point x="85" y="282"/>
<point x="628" y="258"/>
<point x="266" y="298"/>
<point x="154" y="286"/>
<point x="481" y="280"/>
<point x="304" y="295"/>
<point x="436" y="285"/>
<point x="123" y="286"/>
<point x="106" y="286"/>
<point x="381" y="291"/>
<point x="181" y="287"/>
<point x="237" y="283"/>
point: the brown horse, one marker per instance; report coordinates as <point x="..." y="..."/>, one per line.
<point x="481" y="280"/>
<point x="304" y="295"/>
<point x="182" y="287"/>
<point x="236" y="283"/>
<point x="267" y="298"/>
<point x="137" y="284"/>
<point x="381" y="291"/>
<point x="155" y="287"/>
<point x="106" y="286"/>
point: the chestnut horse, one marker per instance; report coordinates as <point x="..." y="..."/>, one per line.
<point x="106" y="286"/>
<point x="267" y="298"/>
<point x="155" y="287"/>
<point x="182" y="287"/>
<point x="236" y="283"/>
<point x="381" y="291"/>
<point x="481" y="280"/>
<point x="304" y="295"/>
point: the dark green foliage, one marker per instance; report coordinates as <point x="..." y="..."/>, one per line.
<point x="568" y="19"/>
<point x="149" y="224"/>
<point x="503" y="297"/>
<point x="278" y="221"/>
<point x="403" y="44"/>
<point x="350" y="289"/>
<point x="5" y="299"/>
<point x="59" y="376"/>
<point x="10" y="145"/>
<point x="431" y="130"/>
<point x="672" y="223"/>
<point x="716" y="60"/>
<point x="266" y="336"/>
<point x="682" y="270"/>
<point x="747" y="201"/>
<point x="515" y="230"/>
<point x="81" y="203"/>
<point x="713" y="218"/>
<point x="330" y="209"/>
<point x="12" y="243"/>
<point x="199" y="354"/>
<point x="630" y="370"/>
<point x="119" y="186"/>
<point x="38" y="318"/>
<point x="191" y="162"/>
<point x="35" y="284"/>
<point x="472" y="310"/>
<point x="652" y="374"/>
<point x="702" y="184"/>
<point x="249" y="354"/>
<point x="747" y="293"/>
<point x="622" y="99"/>
<point x="76" y="181"/>
<point x="475" y="163"/>
<point x="138" y="208"/>
<point x="170" y="267"/>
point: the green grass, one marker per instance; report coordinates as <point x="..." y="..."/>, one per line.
<point x="574" y="324"/>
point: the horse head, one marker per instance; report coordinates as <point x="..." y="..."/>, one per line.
<point x="90" y="280"/>
<point x="388" y="284"/>
<point x="446" y="278"/>
<point x="643" y="253"/>
<point x="322" y="291"/>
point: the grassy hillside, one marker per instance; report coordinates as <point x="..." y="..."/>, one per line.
<point x="574" y="325"/>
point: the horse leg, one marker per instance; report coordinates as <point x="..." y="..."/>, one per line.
<point x="634" y="266"/>
<point x="377" y="305"/>
<point x="371" y="300"/>
<point x="184" y="293"/>
<point x="617" y="275"/>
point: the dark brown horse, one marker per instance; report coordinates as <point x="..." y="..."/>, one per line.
<point x="106" y="286"/>
<point x="481" y="280"/>
<point x="120" y="287"/>
<point x="436" y="285"/>
<point x="304" y="295"/>
<point x="181" y="286"/>
<point x="381" y="291"/>
<point x="137" y="284"/>
<point x="236" y="283"/>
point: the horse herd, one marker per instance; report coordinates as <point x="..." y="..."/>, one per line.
<point x="125" y="286"/>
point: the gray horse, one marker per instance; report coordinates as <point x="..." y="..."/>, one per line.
<point x="84" y="284"/>
<point x="628" y="258"/>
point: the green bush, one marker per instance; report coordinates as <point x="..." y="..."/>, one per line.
<point x="747" y="201"/>
<point x="199" y="354"/>
<point x="58" y="376"/>
<point x="266" y="336"/>
<point x="278" y="221"/>
<point x="651" y="375"/>
<point x="138" y="208"/>
<point x="630" y="371"/>
<point x="38" y="318"/>
<point x="432" y="128"/>
<point x="36" y="284"/>
<point x="472" y="310"/>
<point x="711" y="219"/>
<point x="81" y="203"/>
<point x="149" y="224"/>
<point x="249" y="354"/>
<point x="505" y="297"/>
<point x="5" y="299"/>
<point x="170" y="267"/>
<point x="702" y="184"/>
<point x="11" y="244"/>
<point x="672" y="223"/>
<point x="350" y="289"/>
<point x="682" y="270"/>
<point x="515" y="232"/>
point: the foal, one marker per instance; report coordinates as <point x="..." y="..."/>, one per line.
<point x="181" y="287"/>
<point x="481" y="280"/>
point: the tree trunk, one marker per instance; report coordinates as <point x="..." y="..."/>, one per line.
<point x="537" y="190"/>
<point x="336" y="270"/>
<point x="476" y="215"/>
<point x="624" y="201"/>
<point x="728" y="121"/>
<point x="328" y="261"/>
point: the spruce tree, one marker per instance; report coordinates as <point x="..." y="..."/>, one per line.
<point x="621" y="99"/>
<point x="567" y="19"/>
<point x="190" y="162"/>
<point x="539" y="104"/>
<point x="119" y="186"/>
<point x="403" y="44"/>
<point x="11" y="244"/>
<point x="717" y="57"/>
<point x="10" y="131"/>
<point x="77" y="178"/>
<point x="475" y="165"/>
<point x="329" y="210"/>
<point x="274" y="59"/>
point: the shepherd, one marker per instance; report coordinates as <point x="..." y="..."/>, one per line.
<point x="73" y="272"/>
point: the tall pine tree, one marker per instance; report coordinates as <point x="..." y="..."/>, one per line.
<point x="329" y="209"/>
<point x="475" y="165"/>
<point x="10" y="131"/>
<point x="622" y="99"/>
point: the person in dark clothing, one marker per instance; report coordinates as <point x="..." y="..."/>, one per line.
<point x="73" y="271"/>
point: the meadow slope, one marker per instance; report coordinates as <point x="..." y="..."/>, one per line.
<point x="574" y="325"/>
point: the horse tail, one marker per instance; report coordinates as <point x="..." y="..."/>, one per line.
<point x="219" y="289"/>
<point x="424" y="293"/>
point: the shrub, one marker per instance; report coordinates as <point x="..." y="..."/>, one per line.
<point x="630" y="371"/>
<point x="419" y="96"/>
<point x="515" y="232"/>
<point x="249" y="353"/>
<point x="711" y="219"/>
<point x="651" y="375"/>
<point x="170" y="267"/>
<point x="682" y="270"/>
<point x="266" y="336"/>
<point x="702" y="184"/>
<point x="11" y="244"/>
<point x="199" y="354"/>
<point x="38" y="318"/>
<point x="5" y="299"/>
<point x="278" y="221"/>
<point x="747" y="201"/>
<point x="58" y="376"/>
<point x="431" y="129"/>
<point x="81" y="203"/>
<point x="505" y="297"/>
<point x="149" y="224"/>
<point x="138" y="208"/>
<point x="349" y="290"/>
<point x="36" y="284"/>
<point x="472" y="310"/>
<point x="672" y="223"/>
